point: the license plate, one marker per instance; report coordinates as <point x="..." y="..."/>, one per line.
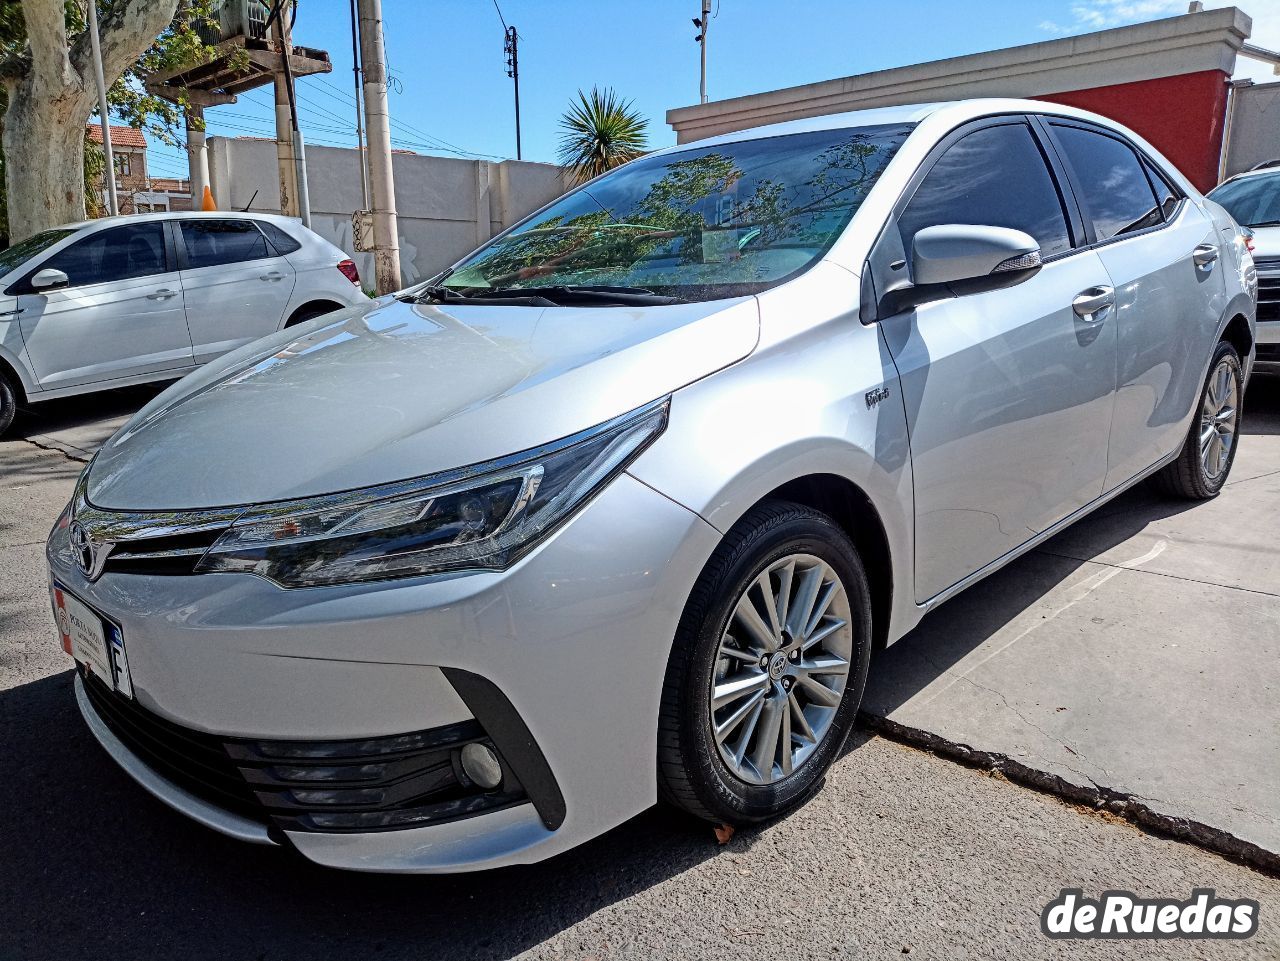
<point x="95" y="642"/>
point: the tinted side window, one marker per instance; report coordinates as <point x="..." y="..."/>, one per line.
<point x="280" y="240"/>
<point x="213" y="242"/>
<point x="996" y="177"/>
<point x="116" y="254"/>
<point x="1117" y="194"/>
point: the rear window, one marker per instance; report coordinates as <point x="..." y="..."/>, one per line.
<point x="1117" y="194"/>
<point x="211" y="243"/>
<point x="280" y="239"/>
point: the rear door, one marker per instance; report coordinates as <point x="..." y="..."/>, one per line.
<point x="1008" y="391"/>
<point x="1162" y="255"/>
<point x="236" y="284"/>
<point x="119" y="316"/>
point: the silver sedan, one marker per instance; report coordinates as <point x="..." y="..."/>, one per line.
<point x="618" y="507"/>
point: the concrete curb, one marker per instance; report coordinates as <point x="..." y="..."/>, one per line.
<point x="1094" y="796"/>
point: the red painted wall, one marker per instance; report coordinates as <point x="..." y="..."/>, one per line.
<point x="1180" y="116"/>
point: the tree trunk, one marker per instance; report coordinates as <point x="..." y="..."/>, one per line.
<point x="50" y="99"/>
<point x="44" y="158"/>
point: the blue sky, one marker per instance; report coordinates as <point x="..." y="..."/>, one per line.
<point x="451" y="92"/>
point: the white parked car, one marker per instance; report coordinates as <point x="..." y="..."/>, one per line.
<point x="126" y="300"/>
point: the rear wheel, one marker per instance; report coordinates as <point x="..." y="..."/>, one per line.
<point x="8" y="402"/>
<point x="1209" y="450"/>
<point x="767" y="668"/>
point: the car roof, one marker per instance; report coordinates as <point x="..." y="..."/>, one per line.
<point x="955" y="112"/>
<point x="101" y="223"/>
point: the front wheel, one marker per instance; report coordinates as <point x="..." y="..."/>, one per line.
<point x="767" y="670"/>
<point x="8" y="402"/>
<point x="1209" y="450"/>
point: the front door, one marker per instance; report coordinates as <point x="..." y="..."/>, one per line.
<point x="1008" y="392"/>
<point x="120" y="315"/>
<point x="237" y="287"/>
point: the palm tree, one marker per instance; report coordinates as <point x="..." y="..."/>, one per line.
<point x="600" y="132"/>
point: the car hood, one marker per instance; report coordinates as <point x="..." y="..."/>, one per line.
<point x="390" y="390"/>
<point x="1266" y="242"/>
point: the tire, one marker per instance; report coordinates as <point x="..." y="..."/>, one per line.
<point x="696" y="771"/>
<point x="310" y="312"/>
<point x="1189" y="476"/>
<point x="8" y="402"/>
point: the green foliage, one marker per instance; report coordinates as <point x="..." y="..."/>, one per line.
<point x="130" y="103"/>
<point x="600" y="132"/>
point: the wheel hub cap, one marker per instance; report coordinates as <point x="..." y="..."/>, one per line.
<point x="1219" y="416"/>
<point x="781" y="668"/>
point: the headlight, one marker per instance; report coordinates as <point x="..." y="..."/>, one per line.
<point x="482" y="518"/>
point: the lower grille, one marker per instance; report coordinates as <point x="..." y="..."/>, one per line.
<point x="367" y="784"/>
<point x="1268" y="291"/>
<point x="1269" y="353"/>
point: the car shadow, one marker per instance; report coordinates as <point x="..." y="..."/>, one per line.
<point x="95" y="867"/>
<point x="81" y="412"/>
<point x="946" y="635"/>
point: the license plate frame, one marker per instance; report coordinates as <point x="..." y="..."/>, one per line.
<point x="95" y="641"/>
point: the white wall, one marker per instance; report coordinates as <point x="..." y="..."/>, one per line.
<point x="446" y="206"/>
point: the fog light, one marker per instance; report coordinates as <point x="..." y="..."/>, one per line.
<point x="481" y="765"/>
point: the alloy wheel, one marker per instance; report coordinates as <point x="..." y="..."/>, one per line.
<point x="781" y="668"/>
<point x="1219" y="417"/>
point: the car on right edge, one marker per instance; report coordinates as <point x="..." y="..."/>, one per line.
<point x="1253" y="199"/>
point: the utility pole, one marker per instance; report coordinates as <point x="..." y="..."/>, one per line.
<point x="703" y="23"/>
<point x="197" y="153"/>
<point x="355" y="70"/>
<point x="511" y="49"/>
<point x="113" y="206"/>
<point x="290" y="149"/>
<point x="386" y="243"/>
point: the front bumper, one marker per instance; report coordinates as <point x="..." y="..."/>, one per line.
<point x="575" y="637"/>
<point x="1268" y="347"/>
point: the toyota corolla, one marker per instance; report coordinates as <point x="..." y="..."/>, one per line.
<point x="618" y="508"/>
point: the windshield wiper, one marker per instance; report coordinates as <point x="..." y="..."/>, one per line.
<point x="553" y="296"/>
<point x="570" y="295"/>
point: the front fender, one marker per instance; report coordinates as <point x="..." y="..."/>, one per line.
<point x="810" y="403"/>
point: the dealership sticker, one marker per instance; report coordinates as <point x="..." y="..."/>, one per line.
<point x="1124" y="915"/>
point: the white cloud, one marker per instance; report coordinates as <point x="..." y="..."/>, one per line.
<point x="1090" y="15"/>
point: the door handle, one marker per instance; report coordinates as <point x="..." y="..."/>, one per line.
<point x="12" y="313"/>
<point x="1206" y="255"/>
<point x="1093" y="303"/>
<point x="271" y="275"/>
<point x="164" y="293"/>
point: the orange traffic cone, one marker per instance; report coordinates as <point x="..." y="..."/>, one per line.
<point x="206" y="203"/>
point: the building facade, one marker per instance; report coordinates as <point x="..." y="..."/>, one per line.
<point x="1169" y="80"/>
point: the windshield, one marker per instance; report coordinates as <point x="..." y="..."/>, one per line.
<point x="1252" y="201"/>
<point x="15" y="256"/>
<point x="697" y="224"/>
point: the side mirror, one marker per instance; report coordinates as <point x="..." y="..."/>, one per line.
<point x="49" y="279"/>
<point x="949" y="253"/>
